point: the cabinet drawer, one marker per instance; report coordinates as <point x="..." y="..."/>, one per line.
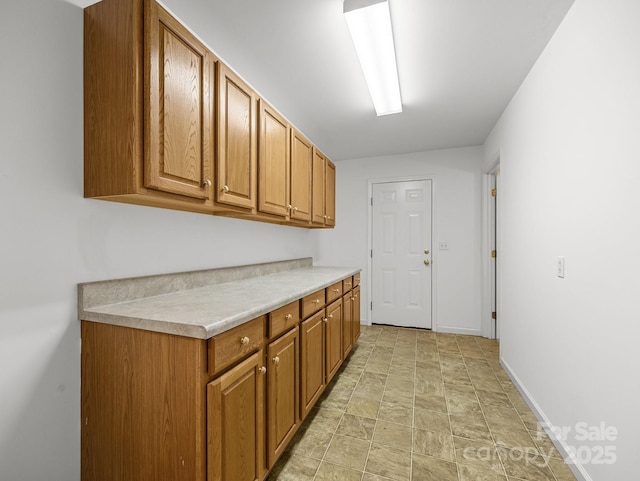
<point x="312" y="303"/>
<point x="356" y="280"/>
<point x="284" y="318"/>
<point x="230" y="346"/>
<point x="347" y="284"/>
<point x="334" y="291"/>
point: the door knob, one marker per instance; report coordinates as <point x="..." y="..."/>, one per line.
<point x="426" y="262"/>
<point x="426" y="251"/>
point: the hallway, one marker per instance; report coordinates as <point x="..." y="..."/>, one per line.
<point x="416" y="405"/>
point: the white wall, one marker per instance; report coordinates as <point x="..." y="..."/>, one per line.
<point x="51" y="239"/>
<point x="570" y="164"/>
<point x="458" y="184"/>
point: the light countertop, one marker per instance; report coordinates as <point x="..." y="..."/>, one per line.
<point x="209" y="302"/>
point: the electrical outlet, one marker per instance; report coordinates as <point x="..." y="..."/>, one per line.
<point x="560" y="267"/>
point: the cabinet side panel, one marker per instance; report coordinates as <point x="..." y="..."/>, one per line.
<point x="143" y="405"/>
<point x="112" y="97"/>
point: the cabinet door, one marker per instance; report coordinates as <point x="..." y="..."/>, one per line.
<point x="330" y="193"/>
<point x="318" y="190"/>
<point x="235" y="423"/>
<point x="237" y="141"/>
<point x="177" y="102"/>
<point x="347" y="319"/>
<point x="274" y="162"/>
<point x="333" y="339"/>
<point x="355" y="319"/>
<point x="301" y="168"/>
<point x="312" y="354"/>
<point x="282" y="393"/>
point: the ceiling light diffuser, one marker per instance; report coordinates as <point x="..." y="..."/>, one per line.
<point x="369" y="22"/>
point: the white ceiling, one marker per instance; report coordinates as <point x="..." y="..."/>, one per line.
<point x="459" y="62"/>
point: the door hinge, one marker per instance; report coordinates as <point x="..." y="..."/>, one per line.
<point x="372" y="305"/>
<point x="494" y="315"/>
<point x="372" y="253"/>
<point x="493" y="254"/>
<point x="371" y="200"/>
<point x="493" y="192"/>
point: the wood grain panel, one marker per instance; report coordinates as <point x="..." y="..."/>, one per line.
<point x="236" y="428"/>
<point x="355" y="321"/>
<point x="318" y="188"/>
<point x="113" y="97"/>
<point x="312" y="303"/>
<point x="330" y="195"/>
<point x="301" y="170"/>
<point x="347" y="320"/>
<point x="334" y="291"/>
<point x="274" y="162"/>
<point x="136" y="381"/>
<point x="333" y="337"/>
<point x="283" y="360"/>
<point x="234" y="344"/>
<point x="284" y="318"/>
<point x="177" y="107"/>
<point x="312" y="361"/>
<point x="237" y="141"/>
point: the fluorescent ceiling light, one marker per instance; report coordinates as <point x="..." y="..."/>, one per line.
<point x="369" y="22"/>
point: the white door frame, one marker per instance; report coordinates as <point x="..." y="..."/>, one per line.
<point x="434" y="240"/>
<point x="488" y="326"/>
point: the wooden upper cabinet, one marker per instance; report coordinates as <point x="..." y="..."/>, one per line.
<point x="318" y="189"/>
<point x="301" y="171"/>
<point x="177" y="102"/>
<point x="236" y="172"/>
<point x="330" y="193"/>
<point x="274" y="162"/>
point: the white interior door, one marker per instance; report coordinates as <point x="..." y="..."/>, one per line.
<point x="401" y="253"/>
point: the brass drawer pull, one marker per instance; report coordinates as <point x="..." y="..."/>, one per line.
<point x="335" y="290"/>
<point x="244" y="340"/>
<point x="316" y="301"/>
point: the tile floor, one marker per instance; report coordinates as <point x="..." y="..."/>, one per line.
<point x="413" y="405"/>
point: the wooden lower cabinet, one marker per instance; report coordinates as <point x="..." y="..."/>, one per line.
<point x="355" y="316"/>
<point x="164" y="407"/>
<point x="283" y="407"/>
<point x="312" y="354"/>
<point x="333" y="336"/>
<point x="235" y="423"/>
<point x="347" y="321"/>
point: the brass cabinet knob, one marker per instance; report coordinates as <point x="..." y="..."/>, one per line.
<point x="276" y="360"/>
<point x="206" y="183"/>
<point x="289" y="207"/>
<point x="262" y="370"/>
<point x="244" y="341"/>
<point x="225" y="188"/>
<point x="288" y="317"/>
<point x="295" y="209"/>
<point x="324" y="319"/>
<point x="426" y="251"/>
<point x="352" y="298"/>
<point x="330" y="316"/>
<point x="426" y="262"/>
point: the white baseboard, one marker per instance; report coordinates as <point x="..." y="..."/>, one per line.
<point x="458" y="330"/>
<point x="576" y="468"/>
